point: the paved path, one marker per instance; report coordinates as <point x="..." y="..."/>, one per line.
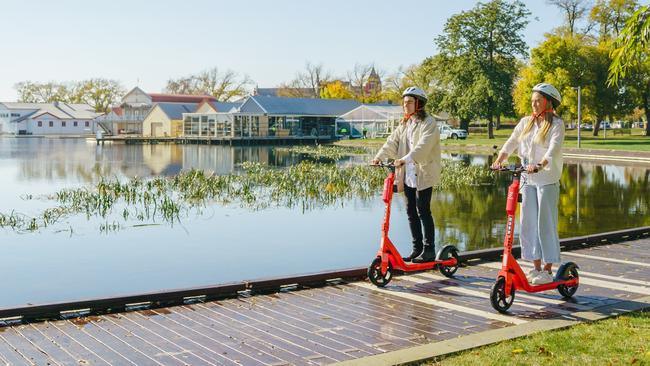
<point x="415" y="317"/>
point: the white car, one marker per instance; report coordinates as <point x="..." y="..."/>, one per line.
<point x="448" y="132"/>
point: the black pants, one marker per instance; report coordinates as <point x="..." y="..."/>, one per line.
<point x="418" y="210"/>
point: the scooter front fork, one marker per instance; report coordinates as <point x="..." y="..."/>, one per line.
<point x="384" y="263"/>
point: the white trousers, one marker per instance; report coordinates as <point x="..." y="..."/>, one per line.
<point x="539" y="237"/>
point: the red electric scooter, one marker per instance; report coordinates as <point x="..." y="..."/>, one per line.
<point x="511" y="277"/>
<point x="380" y="271"/>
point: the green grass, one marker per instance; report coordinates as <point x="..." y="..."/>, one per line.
<point x="634" y="142"/>
<point x="623" y="340"/>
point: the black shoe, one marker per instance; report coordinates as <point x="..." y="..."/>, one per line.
<point x="428" y="255"/>
<point x="414" y="254"/>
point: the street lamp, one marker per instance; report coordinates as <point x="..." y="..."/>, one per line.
<point x="579" y="114"/>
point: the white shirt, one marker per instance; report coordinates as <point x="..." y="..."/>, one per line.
<point x="532" y="152"/>
<point x="410" y="178"/>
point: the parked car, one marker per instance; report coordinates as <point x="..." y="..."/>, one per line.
<point x="604" y="124"/>
<point x="448" y="132"/>
<point x="586" y="126"/>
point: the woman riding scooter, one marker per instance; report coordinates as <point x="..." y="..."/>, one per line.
<point x="538" y="139"/>
<point x="415" y="146"/>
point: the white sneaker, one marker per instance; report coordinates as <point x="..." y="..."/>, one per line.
<point x="532" y="274"/>
<point x="542" y="278"/>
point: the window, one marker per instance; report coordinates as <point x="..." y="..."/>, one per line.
<point x="87" y="123"/>
<point x="74" y="123"/>
<point x="62" y="123"/>
<point x="40" y="123"/>
<point x="15" y="114"/>
<point x="51" y="124"/>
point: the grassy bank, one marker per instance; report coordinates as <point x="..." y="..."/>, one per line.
<point x="623" y="340"/>
<point x="633" y="142"/>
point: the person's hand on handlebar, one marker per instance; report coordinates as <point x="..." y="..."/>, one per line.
<point x="375" y="162"/>
<point x="534" y="168"/>
<point x="496" y="165"/>
<point x="399" y="162"/>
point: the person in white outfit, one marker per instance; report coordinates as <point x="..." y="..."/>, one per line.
<point x="538" y="140"/>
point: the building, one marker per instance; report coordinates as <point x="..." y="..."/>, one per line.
<point x="56" y="118"/>
<point x="129" y="115"/>
<point x="376" y="119"/>
<point x="269" y="117"/>
<point x="166" y="119"/>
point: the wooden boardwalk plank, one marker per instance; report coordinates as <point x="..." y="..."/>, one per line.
<point x="27" y="349"/>
<point x="259" y="331"/>
<point x="43" y="343"/>
<point x="211" y="320"/>
<point x="412" y="326"/>
<point x="338" y="326"/>
<point x="165" y="345"/>
<point x="105" y="352"/>
<point x="184" y="341"/>
<point x="289" y="330"/>
<point x="11" y="355"/>
<point x="82" y="354"/>
<point x="128" y="343"/>
<point x="238" y="347"/>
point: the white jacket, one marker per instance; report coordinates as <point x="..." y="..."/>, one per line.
<point x="533" y="152"/>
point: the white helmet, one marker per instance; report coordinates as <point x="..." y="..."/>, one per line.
<point x="550" y="92"/>
<point x="415" y="92"/>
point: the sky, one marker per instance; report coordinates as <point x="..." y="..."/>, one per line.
<point x="145" y="43"/>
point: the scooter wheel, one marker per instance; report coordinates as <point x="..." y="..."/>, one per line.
<point x="500" y="302"/>
<point x="375" y="276"/>
<point x="570" y="272"/>
<point x="448" y="252"/>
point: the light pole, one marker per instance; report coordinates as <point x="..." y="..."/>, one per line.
<point x="579" y="114"/>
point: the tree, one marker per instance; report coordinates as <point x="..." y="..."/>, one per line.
<point x="488" y="40"/>
<point x="610" y="16"/>
<point x="567" y="62"/>
<point x="457" y="87"/>
<point x="34" y="92"/>
<point x="224" y="86"/>
<point x="306" y="84"/>
<point x="573" y="10"/>
<point x="631" y="44"/>
<point x="98" y="93"/>
<point x="335" y="90"/>
<point x="631" y="59"/>
<point x="419" y="75"/>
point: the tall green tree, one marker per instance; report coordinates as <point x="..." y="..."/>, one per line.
<point x="567" y="62"/>
<point x="609" y="16"/>
<point x="488" y="39"/>
<point x="459" y="88"/>
<point x="631" y="59"/>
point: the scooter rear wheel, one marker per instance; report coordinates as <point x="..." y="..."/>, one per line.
<point x="448" y="252"/>
<point x="376" y="277"/>
<point x="500" y="302"/>
<point x="568" y="291"/>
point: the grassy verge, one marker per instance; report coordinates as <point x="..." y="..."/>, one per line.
<point x="633" y="142"/>
<point x="623" y="340"/>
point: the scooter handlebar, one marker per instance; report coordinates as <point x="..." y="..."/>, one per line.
<point x="381" y="164"/>
<point x="513" y="168"/>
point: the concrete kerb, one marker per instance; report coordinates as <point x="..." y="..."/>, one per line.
<point x="436" y="349"/>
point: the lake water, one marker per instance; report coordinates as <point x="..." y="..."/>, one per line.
<point x="74" y="259"/>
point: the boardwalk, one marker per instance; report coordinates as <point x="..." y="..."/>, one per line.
<point x="339" y="322"/>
